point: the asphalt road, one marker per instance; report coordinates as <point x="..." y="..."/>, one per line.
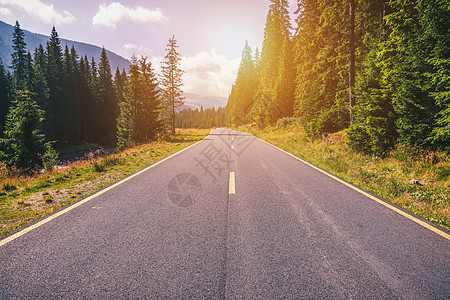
<point x="182" y="229"/>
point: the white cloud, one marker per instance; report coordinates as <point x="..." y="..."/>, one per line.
<point x="110" y="15"/>
<point x="209" y="73"/>
<point x="5" y="12"/>
<point x="137" y="49"/>
<point x="40" y="11"/>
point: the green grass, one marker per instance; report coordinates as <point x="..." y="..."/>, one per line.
<point x="25" y="199"/>
<point x="389" y="177"/>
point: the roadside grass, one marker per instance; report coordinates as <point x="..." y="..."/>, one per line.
<point x="25" y="199"/>
<point x="418" y="181"/>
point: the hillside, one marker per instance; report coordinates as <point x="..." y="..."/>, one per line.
<point x="33" y="40"/>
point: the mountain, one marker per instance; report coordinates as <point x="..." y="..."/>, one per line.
<point x="33" y="40"/>
<point x="196" y="101"/>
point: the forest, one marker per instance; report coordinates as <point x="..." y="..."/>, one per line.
<point x="203" y="118"/>
<point x="378" y="70"/>
<point x="54" y="98"/>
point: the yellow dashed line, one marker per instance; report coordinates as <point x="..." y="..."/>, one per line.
<point x="232" y="186"/>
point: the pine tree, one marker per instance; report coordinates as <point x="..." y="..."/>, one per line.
<point x="58" y="114"/>
<point x="40" y="88"/>
<point x="19" y="58"/>
<point x="266" y="109"/>
<point x="373" y="130"/>
<point x="241" y="99"/>
<point x="285" y="83"/>
<point x="139" y="119"/>
<point x="5" y="94"/>
<point x="171" y="83"/>
<point x="321" y="100"/>
<point x="23" y="146"/>
<point x="418" y="50"/>
<point x="88" y="102"/>
<point x="119" y="82"/>
<point x="107" y="100"/>
<point x="28" y="81"/>
<point x="71" y="92"/>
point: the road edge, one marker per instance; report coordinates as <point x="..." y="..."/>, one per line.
<point x="405" y="213"/>
<point x="47" y="218"/>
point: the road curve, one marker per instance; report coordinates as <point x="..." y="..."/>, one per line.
<point x="232" y="217"/>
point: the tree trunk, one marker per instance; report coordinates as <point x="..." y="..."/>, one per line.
<point x="351" y="99"/>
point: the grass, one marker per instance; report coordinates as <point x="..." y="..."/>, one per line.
<point x="25" y="199"/>
<point x="391" y="177"/>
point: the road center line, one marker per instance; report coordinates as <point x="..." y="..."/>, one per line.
<point x="80" y="202"/>
<point x="232" y="185"/>
<point x="232" y="147"/>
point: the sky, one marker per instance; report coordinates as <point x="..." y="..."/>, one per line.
<point x="211" y="33"/>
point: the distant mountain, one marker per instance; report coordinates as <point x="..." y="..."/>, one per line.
<point x="196" y="101"/>
<point x="33" y="40"/>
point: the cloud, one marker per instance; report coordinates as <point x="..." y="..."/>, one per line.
<point x="40" y="11"/>
<point x="137" y="49"/>
<point x="5" y="12"/>
<point x="110" y="15"/>
<point x="209" y="73"/>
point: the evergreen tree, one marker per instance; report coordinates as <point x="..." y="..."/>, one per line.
<point x="28" y="81"/>
<point x="107" y="100"/>
<point x="5" y="94"/>
<point x="23" y="146"/>
<point x="418" y="49"/>
<point x="321" y="100"/>
<point x="374" y="130"/>
<point x="285" y="83"/>
<point x="95" y="120"/>
<point x="88" y="102"/>
<point x="71" y="92"/>
<point x="40" y="88"/>
<point x="119" y="83"/>
<point x="267" y="108"/>
<point x="241" y="100"/>
<point x="171" y="83"/>
<point x="19" y="58"/>
<point x="58" y="113"/>
<point x="139" y="119"/>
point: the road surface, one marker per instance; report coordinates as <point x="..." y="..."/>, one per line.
<point x="231" y="217"/>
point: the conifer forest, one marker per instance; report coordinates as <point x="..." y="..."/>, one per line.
<point x="378" y="70"/>
<point x="54" y="98"/>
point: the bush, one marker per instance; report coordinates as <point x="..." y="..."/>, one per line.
<point x="286" y="122"/>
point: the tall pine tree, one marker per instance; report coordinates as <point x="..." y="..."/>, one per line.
<point x="241" y="99"/>
<point x="19" y="58"/>
<point x="139" y="119"/>
<point x="58" y="113"/>
<point x="269" y="102"/>
<point x="171" y="83"/>
<point x="40" y="88"/>
<point x="5" y="94"/>
<point x="107" y="100"/>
